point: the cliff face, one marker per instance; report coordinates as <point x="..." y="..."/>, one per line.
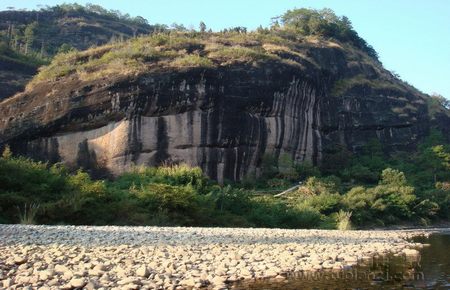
<point x="223" y="118"/>
<point x="52" y="28"/>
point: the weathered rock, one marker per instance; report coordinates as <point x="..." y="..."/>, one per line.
<point x="20" y="260"/>
<point x="177" y="248"/>
<point x="142" y="271"/>
<point x="410" y="252"/>
<point x="77" y="282"/>
<point x="7" y="283"/>
<point x="222" y="119"/>
<point x="61" y="269"/>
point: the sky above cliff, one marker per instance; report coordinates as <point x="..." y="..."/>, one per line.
<point x="412" y="37"/>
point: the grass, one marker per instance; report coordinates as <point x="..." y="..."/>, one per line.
<point x="193" y="49"/>
<point x="174" y="49"/>
<point x="343" y="220"/>
<point x="28" y="215"/>
<point x="192" y="60"/>
<point x="240" y="54"/>
<point x="343" y="85"/>
<point x="31" y="60"/>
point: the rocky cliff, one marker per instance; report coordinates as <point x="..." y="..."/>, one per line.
<point x="27" y="34"/>
<point x="212" y="103"/>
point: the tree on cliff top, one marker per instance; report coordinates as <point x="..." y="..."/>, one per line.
<point x="324" y="23"/>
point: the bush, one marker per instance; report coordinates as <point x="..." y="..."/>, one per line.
<point x="435" y="203"/>
<point x="393" y="197"/>
<point x="27" y="214"/>
<point x="182" y="195"/>
<point x="359" y="201"/>
<point x="343" y="220"/>
<point x="160" y="197"/>
<point x="360" y="173"/>
<point x="325" y="203"/>
<point x="306" y="217"/>
<point x="192" y="60"/>
<point x="306" y="169"/>
<point x="316" y="185"/>
<point x="238" y="53"/>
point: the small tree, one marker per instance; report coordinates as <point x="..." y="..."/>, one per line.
<point x="29" y="35"/>
<point x="443" y="155"/>
<point x="392" y="177"/>
<point x="202" y="26"/>
<point x="7" y="154"/>
<point x="64" y="48"/>
<point x="441" y="100"/>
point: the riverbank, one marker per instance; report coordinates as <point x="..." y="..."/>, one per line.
<point x="67" y="257"/>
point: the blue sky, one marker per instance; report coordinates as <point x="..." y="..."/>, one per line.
<point x="412" y="37"/>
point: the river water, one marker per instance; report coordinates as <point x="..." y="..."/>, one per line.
<point x="429" y="270"/>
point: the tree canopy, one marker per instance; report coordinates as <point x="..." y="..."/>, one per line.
<point x="324" y="23"/>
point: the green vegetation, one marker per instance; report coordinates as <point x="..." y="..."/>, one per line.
<point x="192" y="60"/>
<point x="343" y="85"/>
<point x="300" y="29"/>
<point x="43" y="36"/>
<point x="326" y="24"/>
<point x="96" y="9"/>
<point x="437" y="104"/>
<point x="30" y="60"/>
<point x="343" y="220"/>
<point x="28" y="215"/>
<point x="402" y="188"/>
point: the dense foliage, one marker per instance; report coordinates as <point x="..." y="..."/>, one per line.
<point x="403" y="188"/>
<point x="325" y="23"/>
<point x="31" y="60"/>
<point x="177" y="46"/>
<point x="43" y="32"/>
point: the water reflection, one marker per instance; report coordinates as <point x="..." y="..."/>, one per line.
<point x="428" y="270"/>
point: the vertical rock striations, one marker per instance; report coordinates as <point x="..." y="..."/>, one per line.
<point x="223" y="119"/>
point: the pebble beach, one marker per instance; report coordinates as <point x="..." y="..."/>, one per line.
<point x="116" y="257"/>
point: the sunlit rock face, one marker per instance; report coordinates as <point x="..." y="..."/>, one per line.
<point x="222" y="119"/>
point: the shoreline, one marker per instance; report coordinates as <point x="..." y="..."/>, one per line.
<point x="125" y="257"/>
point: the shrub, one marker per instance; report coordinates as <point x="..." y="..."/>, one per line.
<point x="161" y="197"/>
<point x="343" y="220"/>
<point x="360" y="173"/>
<point x="192" y="60"/>
<point x="182" y="175"/>
<point x="326" y="203"/>
<point x="239" y="53"/>
<point x="392" y="177"/>
<point x="359" y="201"/>
<point x="315" y="185"/>
<point x="306" y="217"/>
<point x="62" y="64"/>
<point x="278" y="183"/>
<point x="236" y="201"/>
<point x="28" y="214"/>
<point x="440" y="197"/>
<point x="269" y="166"/>
<point x="306" y="169"/>
<point x="426" y="208"/>
<point x="393" y="198"/>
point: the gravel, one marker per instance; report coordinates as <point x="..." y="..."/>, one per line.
<point x="71" y="257"/>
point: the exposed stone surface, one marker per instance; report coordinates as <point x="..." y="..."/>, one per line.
<point x="79" y="29"/>
<point x="223" y="119"/>
<point x="165" y="258"/>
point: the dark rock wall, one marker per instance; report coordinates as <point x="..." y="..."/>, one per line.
<point x="223" y="120"/>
